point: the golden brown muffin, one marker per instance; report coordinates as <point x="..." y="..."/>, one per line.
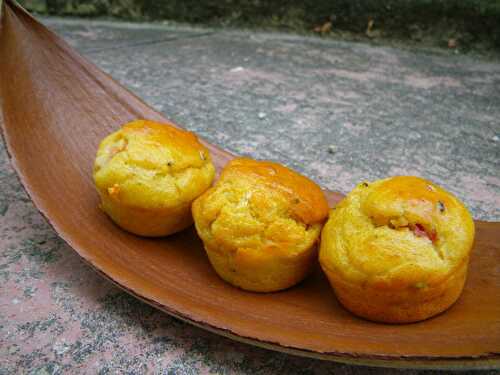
<point x="397" y="250"/>
<point x="148" y="174"/>
<point x="260" y="224"/>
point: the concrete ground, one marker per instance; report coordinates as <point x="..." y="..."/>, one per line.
<point x="338" y="112"/>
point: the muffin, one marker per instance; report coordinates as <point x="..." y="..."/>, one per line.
<point x="397" y="250"/>
<point x="260" y="225"/>
<point x="148" y="174"/>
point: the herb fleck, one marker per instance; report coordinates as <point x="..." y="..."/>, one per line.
<point x="441" y="206"/>
<point x="420" y="285"/>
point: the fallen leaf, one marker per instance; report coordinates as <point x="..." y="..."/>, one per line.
<point x="370" y="33"/>
<point x="369" y="28"/>
<point x="326" y="28"/>
<point x="323" y="29"/>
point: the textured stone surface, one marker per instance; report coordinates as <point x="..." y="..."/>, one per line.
<point x="338" y="112"/>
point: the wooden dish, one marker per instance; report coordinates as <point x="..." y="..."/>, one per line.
<point x="57" y="106"/>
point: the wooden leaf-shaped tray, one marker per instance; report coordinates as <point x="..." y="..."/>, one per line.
<point x="57" y="106"/>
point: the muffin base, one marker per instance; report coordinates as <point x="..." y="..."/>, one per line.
<point x="257" y="271"/>
<point x="408" y="306"/>
<point x="148" y="222"/>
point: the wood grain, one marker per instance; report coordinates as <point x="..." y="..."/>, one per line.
<point x="57" y="106"/>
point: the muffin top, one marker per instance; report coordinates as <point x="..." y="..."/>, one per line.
<point x="397" y="232"/>
<point x="261" y="205"/>
<point x="152" y="166"/>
